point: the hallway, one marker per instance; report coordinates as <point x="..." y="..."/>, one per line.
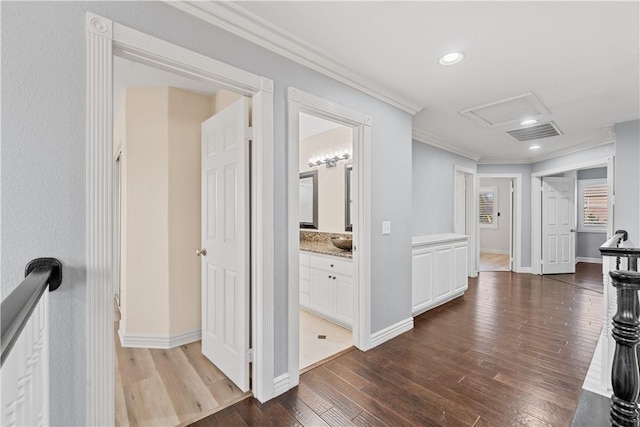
<point x="514" y="350"/>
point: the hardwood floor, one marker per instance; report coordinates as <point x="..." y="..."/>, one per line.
<point x="168" y="387"/>
<point x="514" y="350"/>
<point x="494" y="262"/>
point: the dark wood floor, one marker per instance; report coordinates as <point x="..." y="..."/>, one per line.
<point x="513" y="351"/>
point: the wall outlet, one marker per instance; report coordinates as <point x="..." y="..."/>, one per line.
<point x="386" y="227"/>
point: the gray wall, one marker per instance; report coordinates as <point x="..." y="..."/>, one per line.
<point x="43" y="176"/>
<point x="596" y="153"/>
<point x="433" y="188"/>
<point x="627" y="180"/>
<point x="525" y="170"/>
<point x="587" y="244"/>
<point x="497" y="239"/>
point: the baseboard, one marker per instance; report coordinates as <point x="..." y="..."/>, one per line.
<point x="392" y="331"/>
<point x="281" y="384"/>
<point x="593" y="379"/>
<point x="590" y="260"/>
<point x="526" y="270"/>
<point x="158" y="341"/>
<point x="495" y="251"/>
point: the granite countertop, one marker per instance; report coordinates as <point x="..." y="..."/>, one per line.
<point x="323" y="247"/>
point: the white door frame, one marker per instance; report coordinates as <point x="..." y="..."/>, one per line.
<point x="536" y="203"/>
<point x="516" y="219"/>
<point x="104" y="39"/>
<point x="299" y="101"/>
<point x="471" y="202"/>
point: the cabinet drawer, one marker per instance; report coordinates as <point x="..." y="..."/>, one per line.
<point x="332" y="264"/>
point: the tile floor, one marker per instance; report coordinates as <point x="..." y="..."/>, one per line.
<point x="312" y="349"/>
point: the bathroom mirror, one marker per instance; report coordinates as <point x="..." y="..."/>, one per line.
<point x="309" y="199"/>
<point x="348" y="202"/>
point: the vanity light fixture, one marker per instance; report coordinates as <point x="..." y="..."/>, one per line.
<point x="451" y="58"/>
<point x="528" y="122"/>
<point x="330" y="159"/>
<point x="534" y="147"/>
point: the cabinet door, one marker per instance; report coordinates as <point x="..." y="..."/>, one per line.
<point x="422" y="280"/>
<point x="443" y="273"/>
<point x="343" y="291"/>
<point x="460" y="268"/>
<point x="321" y="292"/>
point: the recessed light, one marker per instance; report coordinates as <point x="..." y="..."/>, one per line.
<point x="534" y="147"/>
<point x="451" y="58"/>
<point x="528" y="122"/>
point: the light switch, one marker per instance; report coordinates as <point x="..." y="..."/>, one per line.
<point x="386" y="227"/>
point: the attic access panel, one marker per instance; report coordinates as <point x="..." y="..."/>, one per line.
<point x="507" y="111"/>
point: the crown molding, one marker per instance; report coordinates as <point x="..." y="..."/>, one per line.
<point x="438" y="142"/>
<point x="608" y="139"/>
<point x="490" y="161"/>
<point x="242" y="23"/>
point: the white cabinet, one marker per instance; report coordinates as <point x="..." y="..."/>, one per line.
<point x="326" y="287"/>
<point x="439" y="270"/>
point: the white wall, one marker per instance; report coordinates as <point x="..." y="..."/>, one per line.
<point x="496" y="240"/>
<point x="433" y="188"/>
<point x="43" y="167"/>
<point x="627" y="180"/>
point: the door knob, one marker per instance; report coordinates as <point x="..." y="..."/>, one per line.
<point x="202" y="252"/>
<point x="573" y="230"/>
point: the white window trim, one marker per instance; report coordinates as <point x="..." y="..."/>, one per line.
<point x="582" y="228"/>
<point x="489" y="189"/>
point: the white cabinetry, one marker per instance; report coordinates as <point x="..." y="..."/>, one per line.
<point x="439" y="270"/>
<point x="326" y="287"/>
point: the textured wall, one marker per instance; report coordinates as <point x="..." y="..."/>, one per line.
<point x="433" y="188"/>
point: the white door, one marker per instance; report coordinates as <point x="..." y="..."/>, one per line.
<point x="225" y="237"/>
<point x="460" y="226"/>
<point x="558" y="225"/>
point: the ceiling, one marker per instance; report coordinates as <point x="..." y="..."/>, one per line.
<point x="580" y="60"/>
<point x="127" y="73"/>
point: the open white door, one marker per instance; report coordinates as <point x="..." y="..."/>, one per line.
<point x="558" y="225"/>
<point x="225" y="242"/>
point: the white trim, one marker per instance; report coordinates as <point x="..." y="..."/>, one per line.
<point x="589" y="260"/>
<point x="536" y="203"/>
<point x="490" y="161"/>
<point x="281" y="384"/>
<point x="582" y="228"/>
<point x="438" y="142"/>
<point x="299" y="101"/>
<point x="516" y="217"/>
<point x="495" y="251"/>
<point x="159" y="340"/>
<point x="390" y="332"/>
<point x="494" y="207"/>
<point x="104" y="38"/>
<point x="593" y="379"/>
<point x="237" y="20"/>
<point x="471" y="215"/>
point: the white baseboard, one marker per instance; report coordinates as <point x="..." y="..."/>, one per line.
<point x="526" y="270"/>
<point x="495" y="251"/>
<point x="158" y="341"/>
<point x="591" y="260"/>
<point x="593" y="380"/>
<point x="281" y="384"/>
<point x="392" y="331"/>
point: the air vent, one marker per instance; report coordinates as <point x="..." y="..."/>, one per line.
<point x="508" y="112"/>
<point x="544" y="130"/>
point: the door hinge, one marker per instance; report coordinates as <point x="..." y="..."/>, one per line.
<point x="250" y="355"/>
<point x="248" y="133"/>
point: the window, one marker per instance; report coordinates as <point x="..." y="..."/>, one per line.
<point x="488" y="207"/>
<point x="592" y="207"/>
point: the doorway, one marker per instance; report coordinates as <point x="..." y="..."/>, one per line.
<point x="327" y="218"/>
<point x="464" y="212"/>
<point x="495" y="217"/>
<point x="170" y="367"/>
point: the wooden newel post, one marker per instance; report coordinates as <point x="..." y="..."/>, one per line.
<point x="625" y="377"/>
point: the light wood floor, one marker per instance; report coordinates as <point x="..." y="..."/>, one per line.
<point x="513" y="351"/>
<point x="314" y="349"/>
<point x="494" y="262"/>
<point x="169" y="387"/>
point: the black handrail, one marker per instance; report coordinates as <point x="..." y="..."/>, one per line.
<point x="16" y="308"/>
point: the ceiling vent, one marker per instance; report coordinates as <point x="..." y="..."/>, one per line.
<point x="507" y="111"/>
<point x="543" y="130"/>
